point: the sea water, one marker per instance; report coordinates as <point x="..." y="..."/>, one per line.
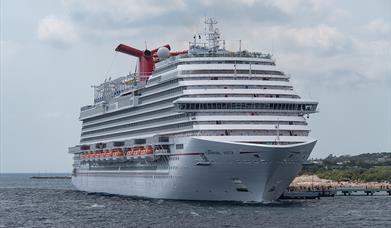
<point x="26" y="202"/>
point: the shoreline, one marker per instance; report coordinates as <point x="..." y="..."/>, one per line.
<point x="312" y="182"/>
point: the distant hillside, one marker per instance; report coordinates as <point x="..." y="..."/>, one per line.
<point x="363" y="167"/>
<point x="368" y="159"/>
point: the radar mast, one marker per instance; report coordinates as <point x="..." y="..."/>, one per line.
<point x="212" y="34"/>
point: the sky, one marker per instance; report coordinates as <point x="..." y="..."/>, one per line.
<point x="337" y="52"/>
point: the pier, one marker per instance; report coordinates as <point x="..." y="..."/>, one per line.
<point x="312" y="194"/>
<point x="50" y="177"/>
<point x="366" y="191"/>
<point x="317" y="194"/>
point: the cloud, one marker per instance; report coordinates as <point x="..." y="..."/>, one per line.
<point x="320" y="39"/>
<point x="113" y="14"/>
<point x="9" y="50"/>
<point x="365" y="65"/>
<point x="310" y="30"/>
<point x="324" y="38"/>
<point x="378" y="26"/>
<point x="293" y="6"/>
<point x="338" y="14"/>
<point x="56" y="32"/>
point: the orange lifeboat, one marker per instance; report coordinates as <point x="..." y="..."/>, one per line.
<point x="118" y="153"/>
<point x="130" y="152"/>
<point x="101" y="154"/>
<point x="149" y="150"/>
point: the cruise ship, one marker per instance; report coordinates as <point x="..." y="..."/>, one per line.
<point x="205" y="123"/>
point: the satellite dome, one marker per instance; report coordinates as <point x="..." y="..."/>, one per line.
<point x="163" y="53"/>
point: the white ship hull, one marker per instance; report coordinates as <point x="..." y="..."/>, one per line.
<point x="205" y="123"/>
<point x="208" y="170"/>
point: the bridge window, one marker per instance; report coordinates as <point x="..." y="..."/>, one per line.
<point x="179" y="146"/>
<point x="264" y="106"/>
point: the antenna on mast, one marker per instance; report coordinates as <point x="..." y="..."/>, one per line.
<point x="212" y="34"/>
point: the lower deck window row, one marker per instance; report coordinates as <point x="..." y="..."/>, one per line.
<point x="137" y="124"/>
<point x="139" y="132"/>
<point x="159" y="112"/>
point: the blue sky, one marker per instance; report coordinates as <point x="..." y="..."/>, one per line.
<point x="336" y="52"/>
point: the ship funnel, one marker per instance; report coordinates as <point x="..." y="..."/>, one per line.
<point x="147" y="58"/>
<point x="147" y="53"/>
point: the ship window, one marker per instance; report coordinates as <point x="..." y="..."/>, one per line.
<point x="118" y="143"/>
<point x="265" y="106"/>
<point x="84" y="147"/>
<point x="163" y="139"/>
<point x="179" y="146"/>
<point x="140" y="141"/>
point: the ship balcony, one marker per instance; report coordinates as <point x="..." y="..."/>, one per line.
<point x="87" y="107"/>
<point x="74" y="150"/>
<point x="78" y="149"/>
<point x="90" y="110"/>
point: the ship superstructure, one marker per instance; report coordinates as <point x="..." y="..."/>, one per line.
<point x="201" y="124"/>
